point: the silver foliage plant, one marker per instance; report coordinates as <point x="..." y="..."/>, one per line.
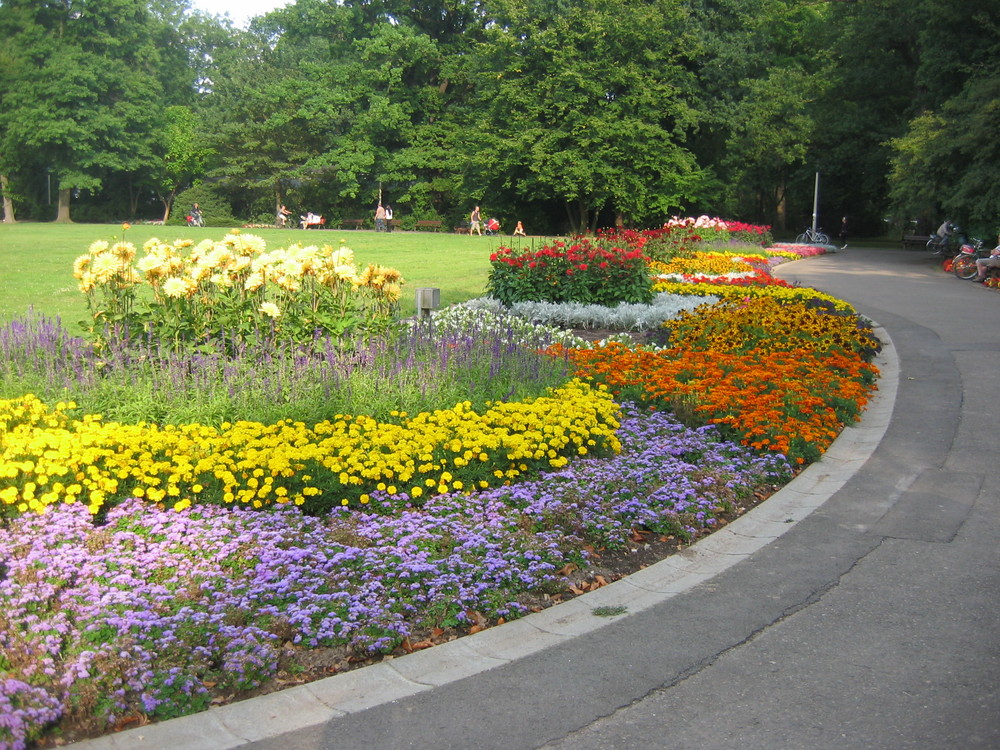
<point x="555" y="317"/>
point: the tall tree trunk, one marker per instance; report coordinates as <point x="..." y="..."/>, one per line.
<point x="781" y="212"/>
<point x="62" y="217"/>
<point x="133" y="198"/>
<point x="8" y="204"/>
<point x="578" y="215"/>
<point x="571" y="218"/>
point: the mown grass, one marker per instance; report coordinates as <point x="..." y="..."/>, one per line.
<point x="36" y="260"/>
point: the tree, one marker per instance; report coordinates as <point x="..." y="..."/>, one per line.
<point x="588" y="103"/>
<point x="182" y="153"/>
<point x="945" y="161"/>
<point x="8" y="203"/>
<point x="80" y="89"/>
<point x="771" y="136"/>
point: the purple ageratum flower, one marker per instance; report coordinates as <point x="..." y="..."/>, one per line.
<point x="25" y="710"/>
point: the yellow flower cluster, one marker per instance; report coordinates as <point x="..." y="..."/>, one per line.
<point x="238" y="269"/>
<point x="768" y="324"/>
<point x="47" y="458"/>
<point x="240" y="261"/>
<point x="788" y="294"/>
<point x="106" y="265"/>
<point x="704" y="263"/>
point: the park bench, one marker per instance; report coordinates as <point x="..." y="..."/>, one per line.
<point x="395" y="223"/>
<point x="353" y="223"/>
<point x="912" y="241"/>
<point x="428" y="224"/>
<point x="311" y="220"/>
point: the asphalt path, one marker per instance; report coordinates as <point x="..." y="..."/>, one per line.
<point x="873" y="622"/>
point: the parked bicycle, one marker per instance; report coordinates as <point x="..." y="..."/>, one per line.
<point x="195" y="219"/>
<point x="813" y="236"/>
<point x="964" y="264"/>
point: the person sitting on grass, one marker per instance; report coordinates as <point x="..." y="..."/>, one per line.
<point x="519" y="230"/>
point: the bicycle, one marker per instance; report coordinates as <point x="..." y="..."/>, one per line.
<point x="813" y="236"/>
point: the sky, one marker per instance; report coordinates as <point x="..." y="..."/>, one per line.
<point x="241" y="11"/>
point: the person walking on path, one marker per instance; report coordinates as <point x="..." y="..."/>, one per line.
<point x="475" y="222"/>
<point x="388" y="217"/>
<point x="380" y="218"/>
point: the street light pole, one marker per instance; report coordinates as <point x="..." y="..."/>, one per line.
<point x="815" y="203"/>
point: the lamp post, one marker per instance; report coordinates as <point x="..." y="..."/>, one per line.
<point x="815" y="203"/>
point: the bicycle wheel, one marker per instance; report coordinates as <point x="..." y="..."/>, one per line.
<point x="802" y="238"/>
<point x="964" y="266"/>
<point x="821" y="239"/>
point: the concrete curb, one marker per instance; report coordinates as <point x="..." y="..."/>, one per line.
<point x="319" y="702"/>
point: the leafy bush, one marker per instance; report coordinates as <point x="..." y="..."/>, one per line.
<point x="215" y="208"/>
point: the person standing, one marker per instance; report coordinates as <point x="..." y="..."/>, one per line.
<point x="388" y="217"/>
<point x="843" y="233"/>
<point x="475" y="222"/>
<point x="380" y="218"/>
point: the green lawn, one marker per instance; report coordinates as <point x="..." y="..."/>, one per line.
<point x="36" y="260"/>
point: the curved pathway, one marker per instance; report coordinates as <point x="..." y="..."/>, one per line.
<point x="857" y="608"/>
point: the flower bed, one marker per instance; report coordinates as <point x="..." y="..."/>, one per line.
<point x="156" y="611"/>
<point x="50" y="458"/>
<point x="178" y="595"/>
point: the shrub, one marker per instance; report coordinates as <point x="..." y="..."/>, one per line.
<point x="215" y="208"/>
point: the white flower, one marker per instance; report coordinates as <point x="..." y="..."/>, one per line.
<point x="175" y="287"/>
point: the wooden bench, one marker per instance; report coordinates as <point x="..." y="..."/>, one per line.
<point x="311" y="220"/>
<point x="428" y="224"/>
<point x="394" y="223"/>
<point x="353" y="223"/>
<point x="918" y="241"/>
